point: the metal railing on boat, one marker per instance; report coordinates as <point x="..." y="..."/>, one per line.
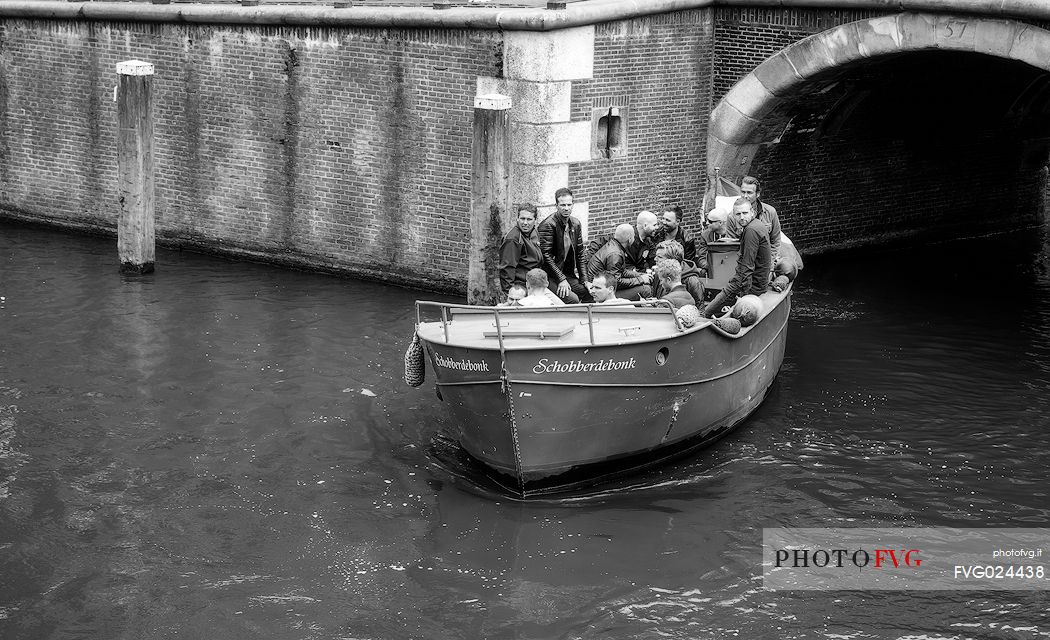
<point x="445" y="308"/>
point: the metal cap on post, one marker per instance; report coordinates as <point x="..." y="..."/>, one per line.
<point x="136" y="243"/>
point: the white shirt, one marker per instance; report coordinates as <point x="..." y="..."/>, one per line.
<point x="536" y="301"/>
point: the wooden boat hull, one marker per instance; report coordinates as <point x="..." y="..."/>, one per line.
<point x="544" y="418"/>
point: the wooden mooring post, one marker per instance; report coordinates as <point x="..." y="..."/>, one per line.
<point x="490" y="211"/>
<point x="136" y="243"/>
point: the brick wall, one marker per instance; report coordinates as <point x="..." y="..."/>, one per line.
<point x="661" y="66"/>
<point x="744" y="38"/>
<point x="349" y="149"/>
<point x="331" y="148"/>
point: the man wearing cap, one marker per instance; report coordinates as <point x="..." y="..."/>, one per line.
<point x="714" y="230"/>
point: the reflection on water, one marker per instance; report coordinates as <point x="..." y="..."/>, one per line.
<point x="226" y="450"/>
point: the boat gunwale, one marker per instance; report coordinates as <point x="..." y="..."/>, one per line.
<point x="742" y="366"/>
<point x="539" y="345"/>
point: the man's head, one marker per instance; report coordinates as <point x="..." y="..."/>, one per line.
<point x="602" y="286"/>
<point x="670" y="250"/>
<point x="563" y="201"/>
<point x="743" y="210"/>
<point x="669" y="271"/>
<point x="527" y="217"/>
<point x="750" y="188"/>
<point x="536" y="280"/>
<point x="717" y="218"/>
<point x="670" y="220"/>
<point x="624" y="234"/>
<point x="515" y="294"/>
<point x="647" y="224"/>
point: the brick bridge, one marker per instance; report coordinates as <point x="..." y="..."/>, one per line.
<point x="340" y="138"/>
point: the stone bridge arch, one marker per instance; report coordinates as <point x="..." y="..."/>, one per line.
<point x="757" y="111"/>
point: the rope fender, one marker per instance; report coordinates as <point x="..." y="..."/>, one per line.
<point x="415" y="363"/>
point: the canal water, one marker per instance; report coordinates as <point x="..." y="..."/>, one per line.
<point x="227" y="450"/>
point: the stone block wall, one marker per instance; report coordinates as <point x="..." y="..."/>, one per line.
<point x="321" y="147"/>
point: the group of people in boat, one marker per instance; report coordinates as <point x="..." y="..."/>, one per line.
<point x="655" y="258"/>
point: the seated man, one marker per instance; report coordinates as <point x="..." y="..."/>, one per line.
<point x="672" y="229"/>
<point x="603" y="289"/>
<point x="714" y="231"/>
<point x="536" y="282"/>
<point x="520" y="250"/>
<point x="754" y="261"/>
<point x="515" y="295"/>
<point x="561" y="244"/>
<point x="612" y="258"/>
<point x="669" y="249"/>
<point x="641" y="250"/>
<point x="669" y="273"/>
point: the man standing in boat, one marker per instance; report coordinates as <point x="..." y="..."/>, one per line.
<point x="754" y="262"/>
<point x="751" y="189"/>
<point x="612" y="259"/>
<point x="561" y="242"/>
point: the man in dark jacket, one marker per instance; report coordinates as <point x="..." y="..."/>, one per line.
<point x="641" y="251"/>
<point x="520" y="250"/>
<point x="561" y="242"/>
<point x="713" y="232"/>
<point x="612" y="259"/>
<point x="753" y="264"/>
<point x="672" y="229"/>
<point x="751" y="190"/>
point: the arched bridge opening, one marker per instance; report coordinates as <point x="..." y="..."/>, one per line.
<point x="898" y="126"/>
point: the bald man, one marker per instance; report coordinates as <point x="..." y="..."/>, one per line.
<point x="642" y="253"/>
<point x="612" y="258"/>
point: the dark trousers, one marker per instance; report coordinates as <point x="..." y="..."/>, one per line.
<point x="635" y="293"/>
<point x="579" y="292"/>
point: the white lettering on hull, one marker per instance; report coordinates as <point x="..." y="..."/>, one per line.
<point x="545" y="365"/>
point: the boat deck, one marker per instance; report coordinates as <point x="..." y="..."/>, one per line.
<point x="570" y="325"/>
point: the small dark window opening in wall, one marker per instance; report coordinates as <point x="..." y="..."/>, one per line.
<point x="610" y="132"/>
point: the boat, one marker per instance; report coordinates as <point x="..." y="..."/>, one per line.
<point x="553" y="398"/>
